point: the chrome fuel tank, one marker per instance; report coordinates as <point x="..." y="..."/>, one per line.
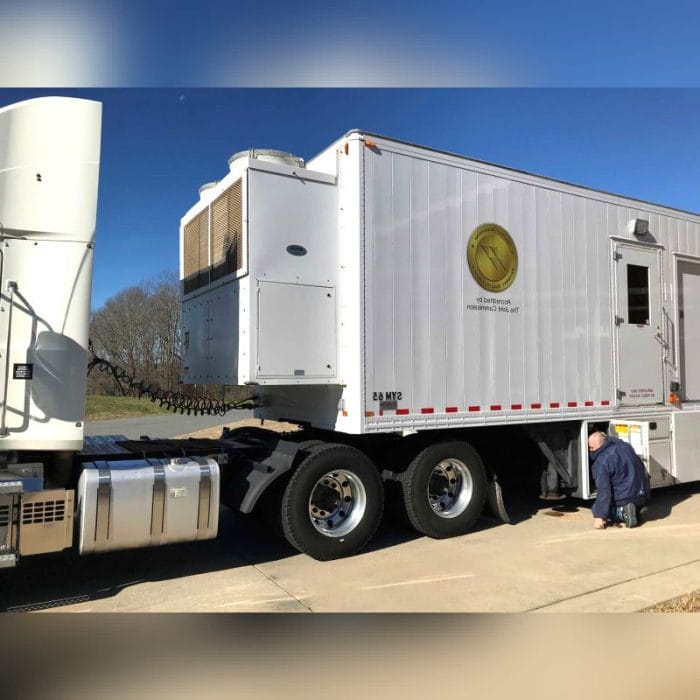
<point x="147" y="502"/>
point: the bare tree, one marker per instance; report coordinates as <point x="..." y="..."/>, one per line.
<point x="138" y="329"/>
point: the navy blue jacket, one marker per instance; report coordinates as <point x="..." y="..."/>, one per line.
<point x="619" y="476"/>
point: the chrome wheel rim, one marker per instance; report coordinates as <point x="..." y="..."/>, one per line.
<point x="337" y="503"/>
<point x="450" y="488"/>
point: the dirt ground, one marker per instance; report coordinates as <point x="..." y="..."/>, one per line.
<point x="215" y="432"/>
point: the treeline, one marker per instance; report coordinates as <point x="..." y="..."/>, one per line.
<point x="138" y="330"/>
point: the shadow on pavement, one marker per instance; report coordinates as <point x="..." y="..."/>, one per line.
<point x="67" y="578"/>
<point x="55" y="580"/>
<point x="660" y="507"/>
<point x="664" y="500"/>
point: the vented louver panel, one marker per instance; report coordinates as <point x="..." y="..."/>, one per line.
<point x="46" y="521"/>
<point x="43" y="512"/>
<point x="4" y="515"/>
<point x="227" y="232"/>
<point x="224" y="240"/>
<point x="191" y="246"/>
<point x="196" y="252"/>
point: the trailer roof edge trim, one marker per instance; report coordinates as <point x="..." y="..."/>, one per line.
<point x="528" y="173"/>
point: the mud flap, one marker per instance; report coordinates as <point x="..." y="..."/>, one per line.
<point x="494" y="498"/>
<point x="255" y="475"/>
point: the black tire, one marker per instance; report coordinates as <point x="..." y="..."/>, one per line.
<point x="357" y="476"/>
<point x="461" y="461"/>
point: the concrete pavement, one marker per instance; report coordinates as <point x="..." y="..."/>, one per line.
<point x="549" y="560"/>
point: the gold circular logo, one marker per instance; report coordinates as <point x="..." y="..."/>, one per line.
<point x="492" y="257"/>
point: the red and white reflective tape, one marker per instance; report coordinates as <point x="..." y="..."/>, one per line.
<point x="427" y="410"/>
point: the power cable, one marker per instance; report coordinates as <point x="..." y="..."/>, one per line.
<point x="172" y="400"/>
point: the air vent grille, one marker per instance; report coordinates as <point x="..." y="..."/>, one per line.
<point x="226" y="231"/>
<point x="4" y="515"/>
<point x="196" y="252"/>
<point x="43" y="512"/>
<point x="224" y="239"/>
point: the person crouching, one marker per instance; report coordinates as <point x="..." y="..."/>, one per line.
<point x="621" y="481"/>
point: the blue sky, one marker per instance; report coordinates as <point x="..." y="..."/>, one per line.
<point x="148" y="43"/>
<point x="159" y="145"/>
<point x="161" y="142"/>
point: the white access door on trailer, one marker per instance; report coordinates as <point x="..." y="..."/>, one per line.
<point x="638" y="324"/>
<point x="689" y="328"/>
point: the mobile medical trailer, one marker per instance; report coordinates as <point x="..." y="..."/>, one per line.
<point x="387" y="289"/>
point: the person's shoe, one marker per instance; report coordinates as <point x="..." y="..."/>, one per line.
<point x="629" y="515"/>
<point x="642" y="513"/>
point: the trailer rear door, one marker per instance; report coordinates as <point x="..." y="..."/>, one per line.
<point x="638" y="324"/>
<point x="689" y="328"/>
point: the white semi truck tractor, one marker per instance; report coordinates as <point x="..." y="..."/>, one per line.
<point x="58" y="489"/>
<point x="414" y="312"/>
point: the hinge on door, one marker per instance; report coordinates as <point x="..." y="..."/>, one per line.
<point x="616" y="255"/>
<point x="619" y="320"/>
<point x="621" y="393"/>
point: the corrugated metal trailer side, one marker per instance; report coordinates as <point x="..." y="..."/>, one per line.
<point x="440" y="349"/>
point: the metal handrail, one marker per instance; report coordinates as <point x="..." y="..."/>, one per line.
<point x="12" y="288"/>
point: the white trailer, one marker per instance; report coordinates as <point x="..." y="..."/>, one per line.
<point x="393" y="290"/>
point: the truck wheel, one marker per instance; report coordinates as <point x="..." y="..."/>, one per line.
<point x="444" y="489"/>
<point x="333" y="502"/>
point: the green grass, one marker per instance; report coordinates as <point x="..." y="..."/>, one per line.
<point x="105" y="407"/>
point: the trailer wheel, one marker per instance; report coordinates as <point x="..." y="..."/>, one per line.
<point x="444" y="489"/>
<point x="333" y="502"/>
